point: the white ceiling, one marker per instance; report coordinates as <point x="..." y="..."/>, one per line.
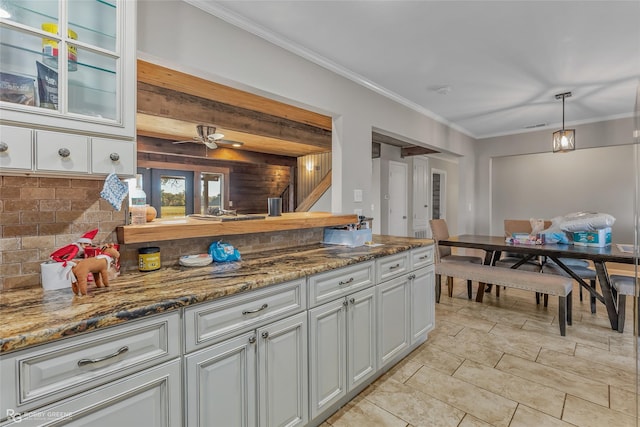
<point x="503" y="60"/>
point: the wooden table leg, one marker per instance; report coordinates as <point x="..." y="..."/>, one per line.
<point x="609" y="302"/>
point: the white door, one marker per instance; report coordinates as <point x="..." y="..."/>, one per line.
<point x="327" y="354"/>
<point x="397" y="199"/>
<point x="421" y="197"/>
<point x="361" y="334"/>
<point x="221" y="384"/>
<point x="282" y="373"/>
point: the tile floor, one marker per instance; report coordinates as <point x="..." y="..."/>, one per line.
<point x="503" y="363"/>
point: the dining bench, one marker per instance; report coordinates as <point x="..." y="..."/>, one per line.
<point x="548" y="284"/>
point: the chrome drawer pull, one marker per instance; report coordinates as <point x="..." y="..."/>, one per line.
<point x="84" y="362"/>
<point x="64" y="153"/>
<point x="393" y="267"/>
<point x="424" y="257"/>
<point x="351" y="279"/>
<point x="244" y="313"/>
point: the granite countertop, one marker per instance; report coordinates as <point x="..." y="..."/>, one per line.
<point x="34" y="316"/>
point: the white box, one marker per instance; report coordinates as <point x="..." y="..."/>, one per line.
<point x="599" y="238"/>
<point x="55" y="276"/>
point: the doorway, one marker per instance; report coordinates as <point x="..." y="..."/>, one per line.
<point x="438" y="194"/>
<point x="421" y="202"/>
<point x="397" y="199"/>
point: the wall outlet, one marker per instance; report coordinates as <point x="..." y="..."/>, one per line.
<point x="230" y="204"/>
<point x="357" y="195"/>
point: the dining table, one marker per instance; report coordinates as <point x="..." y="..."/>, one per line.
<point x="600" y="256"/>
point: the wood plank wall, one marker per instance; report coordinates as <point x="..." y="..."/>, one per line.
<point x="308" y="179"/>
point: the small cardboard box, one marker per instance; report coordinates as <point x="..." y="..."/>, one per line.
<point x="351" y="238"/>
<point x="598" y="238"/>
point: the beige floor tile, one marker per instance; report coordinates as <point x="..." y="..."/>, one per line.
<point x="437" y="358"/>
<point x="411" y="405"/>
<point x="558" y="379"/>
<point x="493" y="315"/>
<point x="537" y="396"/>
<point x="402" y="371"/>
<point x="471" y="421"/>
<point x="466" y="319"/>
<point x="528" y="417"/>
<point x="552" y="342"/>
<point x="480" y="403"/>
<point x="586" y="414"/>
<point x="587" y="368"/>
<point x="625" y="362"/>
<point x="622" y="344"/>
<point x="520" y="348"/>
<point x="577" y="333"/>
<point x="623" y="400"/>
<point x="362" y="413"/>
<point x="468" y="350"/>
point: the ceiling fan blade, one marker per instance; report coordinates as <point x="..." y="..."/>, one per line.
<point x="195" y="140"/>
<point x="210" y="144"/>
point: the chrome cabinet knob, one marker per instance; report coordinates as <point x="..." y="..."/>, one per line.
<point x="265" y="334"/>
<point x="4" y="147"/>
<point x="114" y="157"/>
<point x="64" y="153"/>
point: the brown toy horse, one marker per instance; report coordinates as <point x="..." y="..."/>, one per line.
<point x="98" y="265"/>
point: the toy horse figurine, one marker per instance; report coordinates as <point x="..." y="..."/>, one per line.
<point x="98" y="265"/>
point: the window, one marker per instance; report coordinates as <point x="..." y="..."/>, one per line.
<point x="212" y="192"/>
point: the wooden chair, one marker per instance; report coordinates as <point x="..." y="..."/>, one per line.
<point x="440" y="231"/>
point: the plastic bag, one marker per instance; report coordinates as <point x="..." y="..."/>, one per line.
<point x="586" y="221"/>
<point x="222" y="252"/>
<point x="554" y="233"/>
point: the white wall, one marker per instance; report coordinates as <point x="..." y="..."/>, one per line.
<point x="180" y="36"/>
<point x="605" y="169"/>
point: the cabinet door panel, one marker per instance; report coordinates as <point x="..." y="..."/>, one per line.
<point x="393" y="319"/>
<point x="282" y="372"/>
<point x="220" y="384"/>
<point x="150" y="398"/>
<point x="15" y="151"/>
<point x="422" y="303"/>
<point x="361" y="334"/>
<point x="103" y="151"/>
<point x="327" y="358"/>
<point x="61" y="152"/>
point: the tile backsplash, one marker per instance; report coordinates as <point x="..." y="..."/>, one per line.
<point x="39" y="215"/>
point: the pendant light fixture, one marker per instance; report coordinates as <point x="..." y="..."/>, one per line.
<point x="564" y="140"/>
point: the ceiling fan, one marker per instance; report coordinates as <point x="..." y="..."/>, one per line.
<point x="207" y="135"/>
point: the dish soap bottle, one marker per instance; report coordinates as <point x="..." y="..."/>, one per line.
<point x="138" y="205"/>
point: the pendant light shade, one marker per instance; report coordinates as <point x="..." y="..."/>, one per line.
<point x="564" y="140"/>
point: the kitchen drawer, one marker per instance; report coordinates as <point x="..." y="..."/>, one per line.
<point x="37" y="376"/>
<point x="62" y="152"/>
<point x="113" y="155"/>
<point x="327" y="286"/>
<point x="213" y="322"/>
<point x="15" y="148"/>
<point x="392" y="266"/>
<point x="422" y="257"/>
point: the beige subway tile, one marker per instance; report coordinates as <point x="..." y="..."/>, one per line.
<point x="20" y="205"/>
<point x="8" y="218"/>
<point x="71" y="193"/>
<point x="20" y="181"/>
<point x="87" y="183"/>
<point x="29" y="193"/>
<point x="97" y="216"/>
<point x="55" y="182"/>
<point x="10" y="243"/>
<point x="53" y="229"/>
<point x="10" y="269"/>
<point x="31" y="267"/>
<point x="19" y="230"/>
<point x="69" y="216"/>
<point x="37" y="217"/>
<point x="24" y="281"/>
<point x="37" y="242"/>
<point x="9" y="193"/>
<point x="21" y="255"/>
<point x="55" y="205"/>
<point x="80" y="228"/>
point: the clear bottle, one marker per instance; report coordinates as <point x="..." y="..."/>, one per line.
<point x="138" y="206"/>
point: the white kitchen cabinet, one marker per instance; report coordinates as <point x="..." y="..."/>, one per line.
<point x="342" y="347"/>
<point x="221" y="384"/>
<point x="394" y="311"/>
<point x="16" y="148"/>
<point x="148" y="398"/>
<point x="60" y="152"/>
<point x="422" y="283"/>
<point x="258" y="378"/>
<point x="283" y="373"/>
<point x="69" y="66"/>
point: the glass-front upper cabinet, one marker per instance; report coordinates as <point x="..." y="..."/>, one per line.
<point x="69" y="64"/>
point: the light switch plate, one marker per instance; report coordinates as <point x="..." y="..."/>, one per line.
<point x="357" y="195"/>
